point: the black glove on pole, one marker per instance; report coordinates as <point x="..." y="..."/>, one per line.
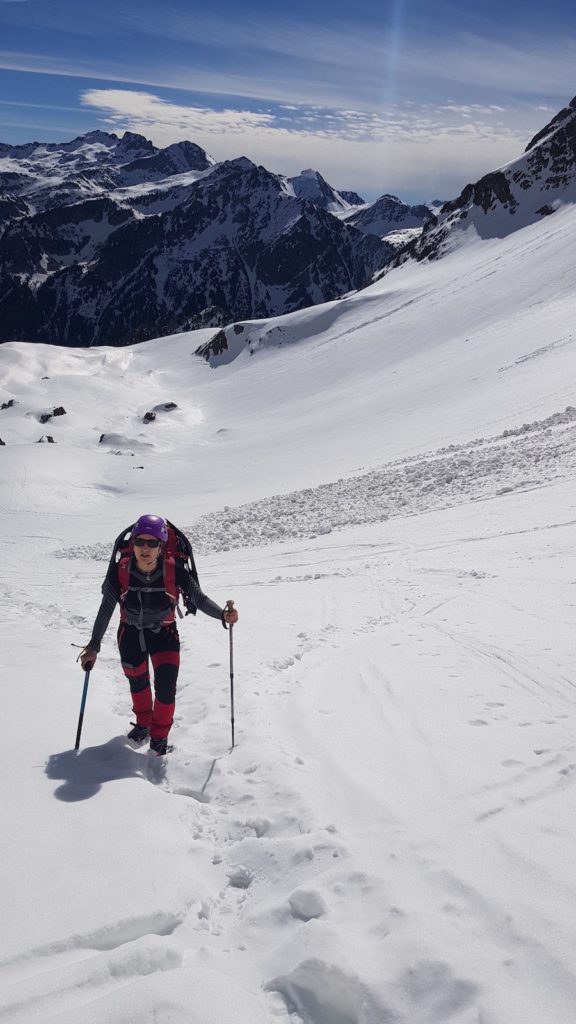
<point x="82" y="706"/>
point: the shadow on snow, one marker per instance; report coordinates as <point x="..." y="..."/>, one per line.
<point x="84" y="772"/>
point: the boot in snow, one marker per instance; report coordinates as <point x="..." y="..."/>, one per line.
<point x="160" y="747"/>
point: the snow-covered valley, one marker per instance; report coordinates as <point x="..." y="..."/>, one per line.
<point x="386" y="490"/>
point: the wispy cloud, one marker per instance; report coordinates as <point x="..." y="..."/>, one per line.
<point x="331" y="66"/>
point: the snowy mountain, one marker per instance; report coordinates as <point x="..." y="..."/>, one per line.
<point x="52" y="174"/>
<point x="311" y="186"/>
<point x="535" y="185"/>
<point x="110" y="241"/>
<point x="386" y="489"/>
<point x="388" y="214"/>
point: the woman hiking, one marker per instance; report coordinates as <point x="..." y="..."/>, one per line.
<point x="147" y="581"/>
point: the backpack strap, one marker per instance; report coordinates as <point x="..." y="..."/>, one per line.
<point x="170" y="585"/>
<point x="123" y="569"/>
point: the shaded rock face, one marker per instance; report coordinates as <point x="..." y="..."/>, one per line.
<point x="352" y="197"/>
<point x="212" y="316"/>
<point x="534" y="186"/>
<point x="12" y="208"/>
<point x="227" y="242"/>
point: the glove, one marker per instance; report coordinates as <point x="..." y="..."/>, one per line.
<point x="87" y="658"/>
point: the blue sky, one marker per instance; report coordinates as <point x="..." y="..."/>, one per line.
<point x="402" y="96"/>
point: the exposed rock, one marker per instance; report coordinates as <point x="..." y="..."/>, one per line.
<point x="44" y="438"/>
<point x="59" y="411"/>
<point x="562" y="116"/>
<point x="8" y="404"/>
<point x="148" y="417"/>
<point x="352" y="197"/>
<point x="44" y="417"/>
<point x="2" y="442"/>
<point x="546" y="210"/>
<point x="215" y="347"/>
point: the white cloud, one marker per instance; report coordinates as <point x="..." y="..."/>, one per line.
<point x="151" y="113"/>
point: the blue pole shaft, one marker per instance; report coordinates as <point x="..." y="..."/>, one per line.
<point x="82" y="706"/>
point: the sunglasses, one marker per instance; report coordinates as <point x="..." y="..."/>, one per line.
<point x="141" y="542"/>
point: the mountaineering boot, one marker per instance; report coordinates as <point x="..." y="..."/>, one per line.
<point x="160" y="747"/>
<point x="138" y="733"/>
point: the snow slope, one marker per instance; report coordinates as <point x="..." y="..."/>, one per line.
<point x="386" y="489"/>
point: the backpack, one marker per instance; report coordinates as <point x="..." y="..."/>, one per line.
<point x="177" y="548"/>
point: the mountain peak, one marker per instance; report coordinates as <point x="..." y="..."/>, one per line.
<point x="561" y="118"/>
<point x="310" y="186"/>
<point x="98" y="136"/>
<point x="131" y="141"/>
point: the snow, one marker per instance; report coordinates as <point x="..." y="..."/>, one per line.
<point x="386" y="490"/>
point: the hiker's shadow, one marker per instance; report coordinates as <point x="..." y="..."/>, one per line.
<point x="84" y="772"/>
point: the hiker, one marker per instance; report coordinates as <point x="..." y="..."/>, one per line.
<point x="147" y="581"/>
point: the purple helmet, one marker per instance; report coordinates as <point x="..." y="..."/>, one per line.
<point x="154" y="525"/>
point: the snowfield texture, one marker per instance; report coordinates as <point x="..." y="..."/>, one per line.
<point x="518" y="459"/>
<point x="386" y="490"/>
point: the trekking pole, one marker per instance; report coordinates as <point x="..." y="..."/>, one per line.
<point x="82" y="706"/>
<point x="229" y="608"/>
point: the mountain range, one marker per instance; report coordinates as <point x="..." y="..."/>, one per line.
<point x="107" y="240"/>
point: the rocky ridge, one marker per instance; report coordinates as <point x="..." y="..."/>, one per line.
<point x="533" y="186"/>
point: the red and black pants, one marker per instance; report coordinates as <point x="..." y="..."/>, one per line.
<point x="163" y="649"/>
